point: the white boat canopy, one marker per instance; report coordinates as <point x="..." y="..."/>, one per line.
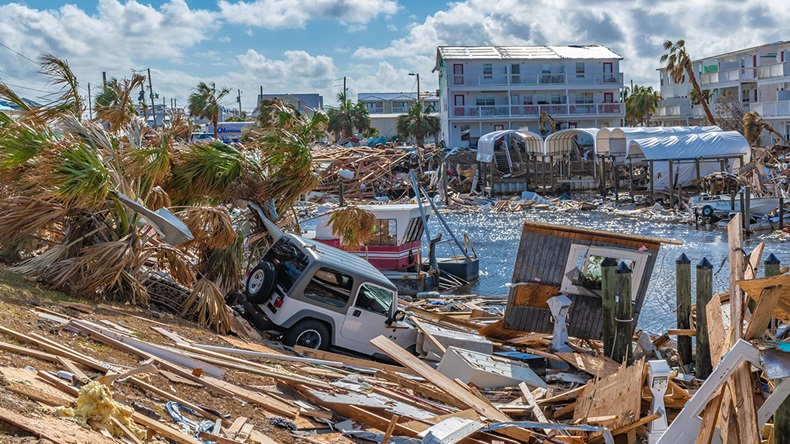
<point x="685" y="150"/>
<point x="533" y="143"/>
<point x="565" y="141"/>
<point x="615" y="141"/>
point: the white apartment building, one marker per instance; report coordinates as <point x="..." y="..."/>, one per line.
<point x="489" y="88"/>
<point x="385" y="108"/>
<point x="759" y="77"/>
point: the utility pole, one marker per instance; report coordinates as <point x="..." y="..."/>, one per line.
<point x="90" y="111"/>
<point x="151" y="92"/>
<point x="344" y="87"/>
<point x="104" y="79"/>
<point x="418" y="90"/>
<point x="238" y="99"/>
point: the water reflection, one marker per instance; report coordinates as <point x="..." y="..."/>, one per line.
<point x="496" y="236"/>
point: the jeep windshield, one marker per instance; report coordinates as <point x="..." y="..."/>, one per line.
<point x="289" y="262"/>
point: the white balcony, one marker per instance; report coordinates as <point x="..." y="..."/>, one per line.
<point x="772" y="109"/>
<point x="557" y="110"/>
<point x="674" y="111"/>
<point x="375" y="110"/>
<point x="774" y="71"/>
<point x="400" y="109"/>
<point x="728" y="76"/>
<point x="549" y="80"/>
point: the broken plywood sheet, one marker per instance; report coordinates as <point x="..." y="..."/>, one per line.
<point x="617" y="394"/>
<point x="485" y="371"/>
<point x="54" y="429"/>
<point x="599" y="366"/>
<point x="448" y="338"/>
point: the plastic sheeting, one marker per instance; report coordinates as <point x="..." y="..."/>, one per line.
<point x="614" y="141"/>
<point x="485" y="145"/>
<point x="709" y="147"/>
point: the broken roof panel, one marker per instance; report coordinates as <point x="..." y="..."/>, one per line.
<point x="527" y="52"/>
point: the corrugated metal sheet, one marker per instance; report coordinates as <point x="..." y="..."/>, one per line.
<point x="527" y="52"/>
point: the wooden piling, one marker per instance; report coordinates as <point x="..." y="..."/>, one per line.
<point x="747" y="212"/>
<point x="671" y="185"/>
<point x="683" y="294"/>
<point x="631" y="180"/>
<point x="772" y="265"/>
<point x="652" y="188"/>
<point x="622" y="350"/>
<point x="616" y="181"/>
<point x="703" y="364"/>
<point x="781" y="212"/>
<point x="543" y="174"/>
<point x="609" y="309"/>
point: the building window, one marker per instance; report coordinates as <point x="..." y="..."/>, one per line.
<point x="528" y="99"/>
<point x="584" y="97"/>
<point x="542" y="100"/>
<point x="546" y="68"/>
<point x="488" y="70"/>
<point x="556" y="98"/>
<point x="583" y="269"/>
<point x="484" y="100"/>
<point x="499" y="127"/>
<point x="579" y="69"/>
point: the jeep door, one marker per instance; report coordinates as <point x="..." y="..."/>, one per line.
<point x="367" y="317"/>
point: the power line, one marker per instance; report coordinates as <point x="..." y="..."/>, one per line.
<point x="19" y="54"/>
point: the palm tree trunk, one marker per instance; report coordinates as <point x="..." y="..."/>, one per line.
<point x="215" y="121"/>
<point x="702" y="98"/>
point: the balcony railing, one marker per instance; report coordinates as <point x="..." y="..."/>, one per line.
<point x="615" y="79"/>
<point x="674" y="111"/>
<point x="375" y="110"/>
<point x="772" y="109"/>
<point x="773" y="71"/>
<point x="400" y="109"/>
<point x="576" y="109"/>
<point x="729" y="75"/>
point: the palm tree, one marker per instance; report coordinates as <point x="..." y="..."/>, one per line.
<point x="349" y="116"/>
<point x="641" y="103"/>
<point x="418" y="123"/>
<point x="204" y="103"/>
<point x="753" y="126"/>
<point x="114" y="105"/>
<point x="678" y="64"/>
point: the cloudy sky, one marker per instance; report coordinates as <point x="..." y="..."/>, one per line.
<point x="302" y="46"/>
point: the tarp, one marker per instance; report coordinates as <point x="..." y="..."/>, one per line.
<point x="533" y="143"/>
<point x="562" y="142"/>
<point x="710" y="147"/>
<point x="614" y="141"/>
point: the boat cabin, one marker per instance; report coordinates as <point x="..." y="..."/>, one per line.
<point x="396" y="241"/>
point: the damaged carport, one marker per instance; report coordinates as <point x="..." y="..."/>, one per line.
<point x="505" y="157"/>
<point x="576" y="151"/>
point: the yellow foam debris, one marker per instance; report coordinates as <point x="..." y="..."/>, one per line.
<point x="95" y="402"/>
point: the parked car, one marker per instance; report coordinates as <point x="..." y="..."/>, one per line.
<point x="319" y="297"/>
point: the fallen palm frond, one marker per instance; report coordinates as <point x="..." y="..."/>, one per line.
<point x="205" y="170"/>
<point x="37" y="264"/>
<point x="114" y="106"/>
<point x="22" y="216"/>
<point x="353" y="226"/>
<point x="224" y="265"/>
<point x="157" y="198"/>
<point x="210" y="226"/>
<point x="207" y="305"/>
<point x="21" y="142"/>
<point x="174" y="262"/>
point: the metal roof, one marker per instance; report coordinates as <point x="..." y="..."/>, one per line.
<point x="526" y="52"/>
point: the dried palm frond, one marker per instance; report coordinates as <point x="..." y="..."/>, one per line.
<point x="207" y="305"/>
<point x="96" y="271"/>
<point x="173" y="261"/>
<point x="180" y="127"/>
<point x="36" y="265"/>
<point x="22" y="215"/>
<point x="157" y="198"/>
<point x="224" y="265"/>
<point x="205" y="170"/>
<point x="118" y="109"/>
<point x="211" y="226"/>
<point x="353" y="226"/>
<point x="69" y="102"/>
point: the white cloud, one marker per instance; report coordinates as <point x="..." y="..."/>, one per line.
<point x="635" y="30"/>
<point x="274" y="14"/>
<point x="296" y="66"/>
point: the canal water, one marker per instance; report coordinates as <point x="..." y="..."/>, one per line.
<point x="496" y="235"/>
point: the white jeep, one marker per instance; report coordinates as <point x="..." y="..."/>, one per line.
<point x="319" y="297"/>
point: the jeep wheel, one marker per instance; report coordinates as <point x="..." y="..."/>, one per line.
<point x="260" y="283"/>
<point x="308" y="334"/>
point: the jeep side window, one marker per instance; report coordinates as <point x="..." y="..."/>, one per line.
<point x="329" y="287"/>
<point x="375" y="299"/>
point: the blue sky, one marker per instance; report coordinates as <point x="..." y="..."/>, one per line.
<point x="303" y="46"/>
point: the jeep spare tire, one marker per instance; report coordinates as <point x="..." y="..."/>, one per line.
<point x="260" y="283"/>
<point x="707" y="211"/>
<point x="309" y="334"/>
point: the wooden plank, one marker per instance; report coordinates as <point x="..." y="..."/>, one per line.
<point x="755" y="257"/>
<point x="164" y="430"/>
<point x="76" y="371"/>
<point x="717" y="336"/>
<point x="563" y="229"/>
<point x="617" y="394"/>
<point x="421" y="389"/>
<point x="390" y="429"/>
<point x="171" y="397"/>
<point x="51" y="428"/>
<point x="599" y="366"/>
<point x="625" y="429"/>
<point x="218" y="439"/>
<point x="18" y="349"/>
<point x="125" y="431"/>
<point x="709" y="417"/>
<point x="763" y="312"/>
<point x="352" y="361"/>
<point x="234" y="428"/>
<point x="397" y="353"/>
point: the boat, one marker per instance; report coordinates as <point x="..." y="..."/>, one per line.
<point x="396" y="249"/>
<point x="709" y="205"/>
